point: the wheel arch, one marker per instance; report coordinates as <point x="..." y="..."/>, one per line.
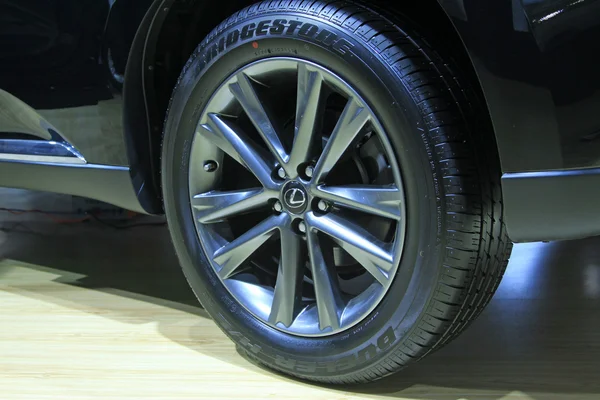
<point x="168" y="35"/>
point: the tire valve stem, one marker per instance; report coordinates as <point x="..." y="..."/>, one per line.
<point x="211" y="166"/>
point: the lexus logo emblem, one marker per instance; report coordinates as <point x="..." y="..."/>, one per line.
<point x="295" y="198"/>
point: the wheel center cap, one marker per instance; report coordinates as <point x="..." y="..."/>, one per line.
<point x="295" y="198"/>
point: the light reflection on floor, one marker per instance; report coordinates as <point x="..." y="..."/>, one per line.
<point x="538" y="339"/>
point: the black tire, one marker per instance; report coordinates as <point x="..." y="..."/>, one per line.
<point x="456" y="247"/>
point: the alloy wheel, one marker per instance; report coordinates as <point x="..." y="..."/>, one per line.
<point x="297" y="197"/>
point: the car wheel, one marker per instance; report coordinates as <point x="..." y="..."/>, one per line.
<point x="331" y="190"/>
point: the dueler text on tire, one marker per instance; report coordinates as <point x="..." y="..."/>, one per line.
<point x="332" y="190"/>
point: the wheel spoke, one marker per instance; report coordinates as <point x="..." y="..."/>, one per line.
<point x="329" y="300"/>
<point x="245" y="94"/>
<point x="374" y="255"/>
<point x="351" y="122"/>
<point x="240" y="148"/>
<point x="216" y="206"/>
<point x="232" y="255"/>
<point x="384" y="201"/>
<point x="287" y="297"/>
<point x="307" y="115"/>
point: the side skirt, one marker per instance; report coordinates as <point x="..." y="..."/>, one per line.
<point x="552" y="205"/>
<point x="100" y="182"/>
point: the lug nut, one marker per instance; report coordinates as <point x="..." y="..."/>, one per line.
<point x="281" y="173"/>
<point x="302" y="227"/>
<point x="323" y="206"/>
<point x="211" y="166"/>
<point x="278" y="207"/>
<point x="310" y="170"/>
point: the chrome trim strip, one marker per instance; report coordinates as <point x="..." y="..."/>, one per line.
<point x="39" y="151"/>
<point x="551" y="173"/>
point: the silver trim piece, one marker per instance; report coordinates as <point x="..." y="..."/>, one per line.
<point x="39" y="151"/>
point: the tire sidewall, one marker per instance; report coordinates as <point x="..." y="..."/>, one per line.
<point x="392" y="322"/>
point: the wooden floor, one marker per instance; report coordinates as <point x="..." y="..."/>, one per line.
<point x="90" y="312"/>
